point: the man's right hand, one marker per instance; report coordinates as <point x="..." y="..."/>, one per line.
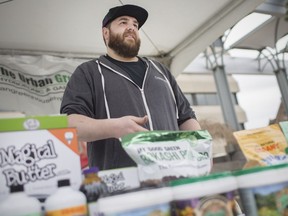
<point x="129" y="124"/>
<point x="89" y="129"/>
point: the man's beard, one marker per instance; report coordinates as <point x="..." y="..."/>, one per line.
<point x="121" y="47"/>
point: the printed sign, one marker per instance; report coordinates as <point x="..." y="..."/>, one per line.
<point x="38" y="159"/>
<point x="34" y="85"/>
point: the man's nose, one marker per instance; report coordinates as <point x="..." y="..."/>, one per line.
<point x="131" y="27"/>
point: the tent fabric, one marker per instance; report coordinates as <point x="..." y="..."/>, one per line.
<point x="175" y="30"/>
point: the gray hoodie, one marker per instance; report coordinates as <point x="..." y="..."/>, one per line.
<point x="100" y="89"/>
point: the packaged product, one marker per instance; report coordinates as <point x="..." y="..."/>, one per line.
<point x="120" y="179"/>
<point x="93" y="187"/>
<point x="36" y="159"/>
<point x="66" y="201"/>
<point x="263" y="146"/>
<point x="166" y="155"/>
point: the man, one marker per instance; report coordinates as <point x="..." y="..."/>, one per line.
<point x="122" y="93"/>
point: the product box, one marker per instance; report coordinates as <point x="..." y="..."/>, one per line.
<point x="38" y="159"/>
<point x="118" y="181"/>
<point x="121" y="179"/>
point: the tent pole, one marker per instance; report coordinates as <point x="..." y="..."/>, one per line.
<point x="225" y="97"/>
<point x="283" y="85"/>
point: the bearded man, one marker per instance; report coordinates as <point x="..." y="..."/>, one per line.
<point x="121" y="93"/>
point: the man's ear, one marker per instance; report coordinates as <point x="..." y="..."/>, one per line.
<point x="105" y="33"/>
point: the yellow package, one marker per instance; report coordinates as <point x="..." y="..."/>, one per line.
<point x="265" y="145"/>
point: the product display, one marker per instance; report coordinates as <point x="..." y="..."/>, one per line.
<point x="172" y="176"/>
<point x="18" y="203"/>
<point x="66" y="200"/>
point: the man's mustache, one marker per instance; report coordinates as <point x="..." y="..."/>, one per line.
<point x="129" y="33"/>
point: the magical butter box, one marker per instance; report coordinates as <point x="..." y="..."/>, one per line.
<point x="38" y="159"/>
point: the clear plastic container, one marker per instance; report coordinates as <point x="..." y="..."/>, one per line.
<point x="66" y="201"/>
<point x="213" y="194"/>
<point x="264" y="190"/>
<point x="18" y="203"/>
<point x="144" y="202"/>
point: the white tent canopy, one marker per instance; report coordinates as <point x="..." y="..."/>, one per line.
<point x="175" y="32"/>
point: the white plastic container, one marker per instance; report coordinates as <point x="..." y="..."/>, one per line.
<point x="264" y="190"/>
<point x="66" y="199"/>
<point x="207" y="195"/>
<point x="18" y="203"/>
<point x="137" y="203"/>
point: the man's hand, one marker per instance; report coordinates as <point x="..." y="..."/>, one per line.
<point x="129" y="124"/>
<point x="89" y="129"/>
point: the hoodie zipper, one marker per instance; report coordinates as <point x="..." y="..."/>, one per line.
<point x="140" y="89"/>
<point x="147" y="109"/>
<point x="145" y="101"/>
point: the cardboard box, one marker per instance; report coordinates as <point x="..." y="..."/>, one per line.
<point x="121" y="179"/>
<point x="117" y="180"/>
<point x="38" y="159"/>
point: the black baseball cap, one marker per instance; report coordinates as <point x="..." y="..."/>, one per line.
<point x="137" y="12"/>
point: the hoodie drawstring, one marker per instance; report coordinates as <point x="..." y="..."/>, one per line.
<point x="104" y="92"/>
